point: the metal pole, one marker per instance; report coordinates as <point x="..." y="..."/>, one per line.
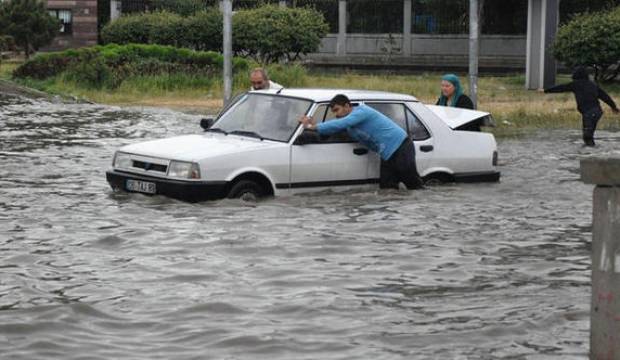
<point x="474" y="31"/>
<point x="115" y="9"/>
<point x="407" y="28"/>
<point x="227" y="11"/>
<point x="529" y="47"/>
<point x="341" y="43"/>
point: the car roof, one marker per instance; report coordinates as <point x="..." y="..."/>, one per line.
<point x="321" y="95"/>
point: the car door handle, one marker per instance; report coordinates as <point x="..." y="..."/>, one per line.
<point x="426" y="148"/>
<point x="360" y="151"/>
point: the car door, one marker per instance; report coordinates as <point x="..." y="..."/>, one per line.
<point x="423" y="141"/>
<point x="333" y="161"/>
<point x="417" y="131"/>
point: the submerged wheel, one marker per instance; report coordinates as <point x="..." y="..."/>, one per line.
<point x="246" y="190"/>
<point x="438" y="179"/>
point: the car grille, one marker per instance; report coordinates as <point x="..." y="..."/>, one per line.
<point x="149" y="166"/>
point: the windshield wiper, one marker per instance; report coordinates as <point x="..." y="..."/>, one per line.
<point x="247" y="133"/>
<point x="218" y="130"/>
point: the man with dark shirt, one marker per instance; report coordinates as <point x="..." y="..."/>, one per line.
<point x="587" y="94"/>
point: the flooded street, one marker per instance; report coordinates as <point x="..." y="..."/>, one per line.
<point x="466" y="271"/>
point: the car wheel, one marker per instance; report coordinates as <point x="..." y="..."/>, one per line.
<point x="246" y="190"/>
<point x="437" y="179"/>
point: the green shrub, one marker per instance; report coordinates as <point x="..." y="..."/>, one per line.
<point x="93" y="74"/>
<point x="108" y="66"/>
<point x="51" y="64"/>
<point x="7" y="43"/>
<point x="203" y="31"/>
<point x="160" y="27"/>
<point x="290" y="75"/>
<point x="181" y="7"/>
<point x="592" y="40"/>
<point x="270" y="33"/>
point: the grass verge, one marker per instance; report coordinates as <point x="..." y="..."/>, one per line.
<point x="515" y="109"/>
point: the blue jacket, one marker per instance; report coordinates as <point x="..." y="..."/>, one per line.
<point x="369" y="127"/>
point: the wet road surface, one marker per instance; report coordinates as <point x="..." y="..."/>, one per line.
<point x="467" y="271"/>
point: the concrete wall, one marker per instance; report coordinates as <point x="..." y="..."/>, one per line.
<point x="605" y="303"/>
<point x="440" y="51"/>
<point x="376" y="44"/>
<point x="84" y="14"/>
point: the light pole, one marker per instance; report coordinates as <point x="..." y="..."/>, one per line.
<point x="227" y="44"/>
<point x="474" y="31"/>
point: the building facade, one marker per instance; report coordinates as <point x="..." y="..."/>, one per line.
<point x="79" y="23"/>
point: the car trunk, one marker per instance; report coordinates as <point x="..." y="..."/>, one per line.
<point x="462" y="119"/>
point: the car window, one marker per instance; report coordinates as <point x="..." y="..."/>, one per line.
<point x="319" y="114"/>
<point x="341" y="137"/>
<point x="329" y="115"/>
<point x="417" y="130"/>
<point x="269" y="116"/>
<point x="396" y="112"/>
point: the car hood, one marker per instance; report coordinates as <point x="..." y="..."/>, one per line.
<point x="197" y="147"/>
<point x="457" y="117"/>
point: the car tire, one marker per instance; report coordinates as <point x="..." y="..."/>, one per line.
<point x="437" y="179"/>
<point x="246" y="190"/>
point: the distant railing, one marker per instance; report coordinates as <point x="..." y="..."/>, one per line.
<point x="506" y="17"/>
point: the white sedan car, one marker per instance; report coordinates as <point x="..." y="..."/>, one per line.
<point x="256" y="147"/>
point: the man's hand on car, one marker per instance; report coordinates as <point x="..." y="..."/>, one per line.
<point x="307" y="122"/>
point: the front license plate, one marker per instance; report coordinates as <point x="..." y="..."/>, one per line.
<point x="140" y="186"/>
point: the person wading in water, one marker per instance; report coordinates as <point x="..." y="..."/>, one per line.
<point x="587" y="94"/>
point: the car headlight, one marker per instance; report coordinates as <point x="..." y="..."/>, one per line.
<point x="121" y="160"/>
<point x="184" y="170"/>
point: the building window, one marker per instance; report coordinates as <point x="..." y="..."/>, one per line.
<point x="66" y="20"/>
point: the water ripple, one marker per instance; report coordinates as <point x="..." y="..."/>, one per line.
<point x="458" y="271"/>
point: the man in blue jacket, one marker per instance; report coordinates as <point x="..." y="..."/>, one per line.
<point x="377" y="132"/>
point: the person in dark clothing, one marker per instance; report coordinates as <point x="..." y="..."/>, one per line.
<point x="452" y="95"/>
<point x="377" y="132"/>
<point x="587" y="94"/>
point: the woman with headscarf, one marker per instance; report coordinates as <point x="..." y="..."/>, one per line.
<point x="452" y="95"/>
<point x="587" y="94"/>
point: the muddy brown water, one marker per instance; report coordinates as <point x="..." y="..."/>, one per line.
<point x="467" y="271"/>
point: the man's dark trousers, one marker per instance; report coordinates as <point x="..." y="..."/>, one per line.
<point x="400" y="167"/>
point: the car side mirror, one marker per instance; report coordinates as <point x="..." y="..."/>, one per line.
<point x="206" y="123"/>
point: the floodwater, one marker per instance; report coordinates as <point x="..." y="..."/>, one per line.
<point x="467" y="271"/>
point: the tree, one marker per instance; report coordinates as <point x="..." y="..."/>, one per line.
<point x="271" y="33"/>
<point x="592" y="40"/>
<point x="28" y="23"/>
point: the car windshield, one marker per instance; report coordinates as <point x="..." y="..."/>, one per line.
<point x="263" y="116"/>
